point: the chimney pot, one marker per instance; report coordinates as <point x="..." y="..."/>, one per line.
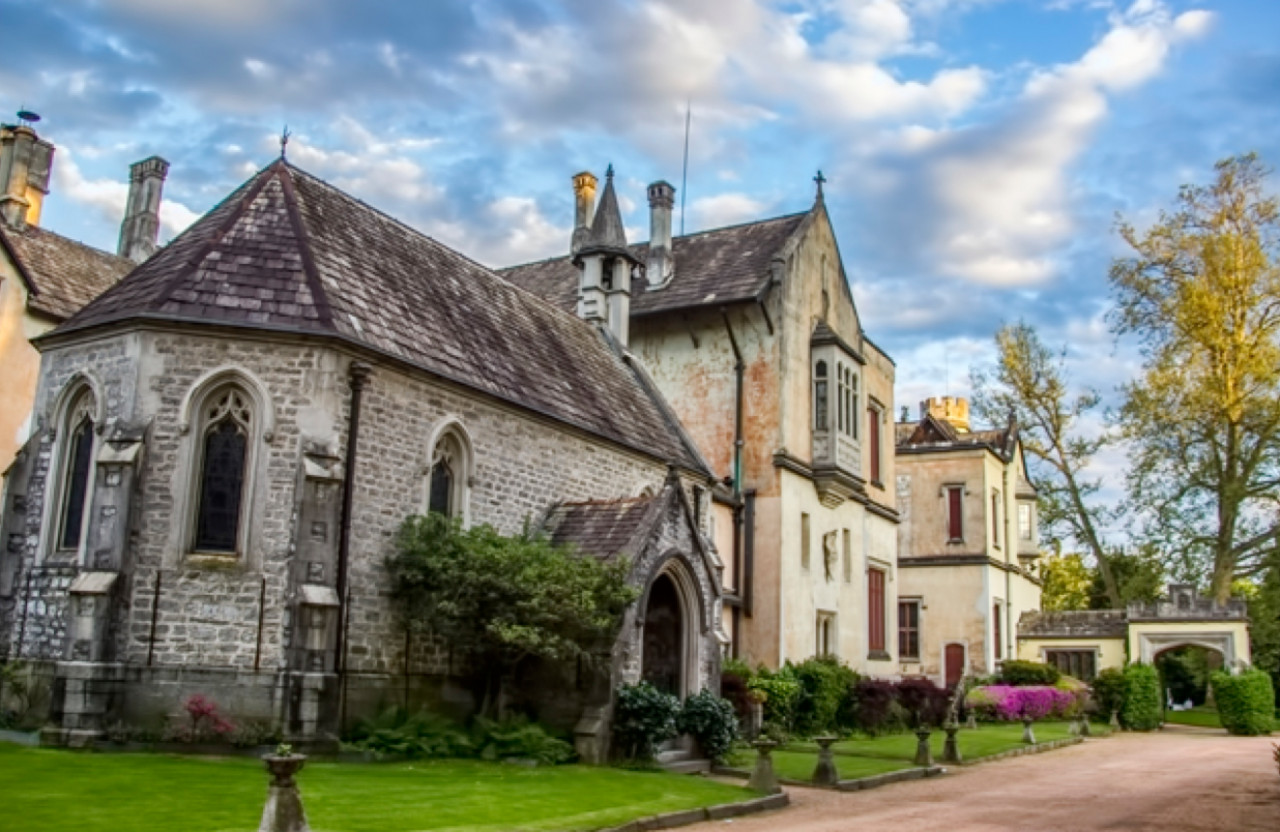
<point x="24" y="174"/>
<point x="140" y="231"/>
<point x="660" y="263"/>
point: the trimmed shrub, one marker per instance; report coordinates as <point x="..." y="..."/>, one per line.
<point x="1108" y="692"/>
<point x="1019" y="673"/>
<point x="735" y="686"/>
<point x="643" y="718"/>
<point x="1142" y="709"/>
<point x="924" y="702"/>
<point x="712" y="722"/>
<point x="825" y="685"/>
<point x="877" y="710"/>
<point x="1246" y="702"/>
<point x="781" y="692"/>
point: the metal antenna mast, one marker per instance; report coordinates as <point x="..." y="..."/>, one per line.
<point x="684" y="175"/>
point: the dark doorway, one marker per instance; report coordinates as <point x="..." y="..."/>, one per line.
<point x="954" y="664"/>
<point x="1184" y="673"/>
<point x="663" y="638"/>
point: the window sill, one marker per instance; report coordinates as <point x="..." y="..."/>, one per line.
<point x="879" y="656"/>
<point x="212" y="560"/>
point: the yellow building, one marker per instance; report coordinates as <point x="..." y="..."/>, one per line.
<point x="967" y="543"/>
<point x="46" y="278"/>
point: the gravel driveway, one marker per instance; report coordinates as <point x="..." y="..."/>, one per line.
<point x="1178" y="779"/>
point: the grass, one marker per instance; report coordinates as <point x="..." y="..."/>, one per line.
<point x="47" y="790"/>
<point x="1200" y="715"/>
<point x="864" y="757"/>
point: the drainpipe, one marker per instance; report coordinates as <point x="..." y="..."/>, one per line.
<point x="744" y="515"/>
<point x="739" y="368"/>
<point x="749" y="553"/>
<point x="1009" y="558"/>
<point x="359" y="373"/>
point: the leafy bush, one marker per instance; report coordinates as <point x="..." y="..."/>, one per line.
<point x="1246" y="702"/>
<point x="825" y="693"/>
<point x="517" y="737"/>
<point x="735" y="682"/>
<point x="1108" y="691"/>
<point x="424" y="734"/>
<point x="1079" y="693"/>
<point x="1142" y="709"/>
<point x="252" y="734"/>
<point x="1019" y="673"/>
<point x="204" y="723"/>
<point x="1014" y="704"/>
<point x="877" y="710"/>
<point x="711" y="721"/>
<point x="924" y="702"/>
<point x="643" y="718"/>
<point x="781" y="692"/>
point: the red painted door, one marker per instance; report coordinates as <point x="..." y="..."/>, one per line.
<point x="954" y="664"/>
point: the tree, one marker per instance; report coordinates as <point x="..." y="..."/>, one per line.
<point x="1139" y="576"/>
<point x="501" y="600"/>
<point x="1030" y="382"/>
<point x="1201" y="293"/>
<point x="1067" y="582"/>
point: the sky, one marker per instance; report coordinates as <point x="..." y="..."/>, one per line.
<point x="977" y="152"/>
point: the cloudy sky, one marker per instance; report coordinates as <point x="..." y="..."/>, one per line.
<point x="976" y="151"/>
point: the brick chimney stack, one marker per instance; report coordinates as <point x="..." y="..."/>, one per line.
<point x="140" y="231"/>
<point x="25" y="163"/>
<point x="660" y="264"/>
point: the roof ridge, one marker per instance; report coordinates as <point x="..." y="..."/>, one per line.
<point x="319" y="294"/>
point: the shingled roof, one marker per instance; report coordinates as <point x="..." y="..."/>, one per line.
<point x="712" y="268"/>
<point x="61" y="274"/>
<point x="289" y="252"/>
<point x="931" y="434"/>
<point x="603" y="529"/>
<point x="1073" y="624"/>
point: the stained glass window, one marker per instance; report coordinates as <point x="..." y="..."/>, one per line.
<point x="79" y="461"/>
<point x="222" y="472"/>
<point x="441" y="498"/>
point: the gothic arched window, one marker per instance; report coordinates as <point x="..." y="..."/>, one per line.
<point x="449" y="476"/>
<point x="77" y="469"/>
<point x="226" y="422"/>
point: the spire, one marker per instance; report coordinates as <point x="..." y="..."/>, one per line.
<point x="607" y="232"/>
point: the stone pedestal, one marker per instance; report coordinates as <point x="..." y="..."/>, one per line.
<point x="283" y="812"/>
<point x="1085" y="730"/>
<point x="924" y="754"/>
<point x="825" y="773"/>
<point x="762" y="778"/>
<point x="1028" y="735"/>
<point x="951" y="750"/>
<point x="1115" y="720"/>
<point x="972" y="724"/>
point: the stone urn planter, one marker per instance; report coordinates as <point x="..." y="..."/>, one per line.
<point x="1115" y="721"/>
<point x="924" y="754"/>
<point x="762" y="777"/>
<point x="283" y="812"/>
<point x="825" y="773"/>
<point x="1028" y="735"/>
<point x="951" y="749"/>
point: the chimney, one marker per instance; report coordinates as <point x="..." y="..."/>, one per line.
<point x="25" y="162"/>
<point x="584" y="198"/>
<point x="660" y="265"/>
<point x="140" y="230"/>
<point x="951" y="409"/>
<point x="604" y="288"/>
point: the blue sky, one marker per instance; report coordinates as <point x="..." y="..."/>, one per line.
<point x="976" y="151"/>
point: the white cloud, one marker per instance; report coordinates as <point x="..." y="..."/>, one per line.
<point x="725" y="209"/>
<point x="107" y="197"/>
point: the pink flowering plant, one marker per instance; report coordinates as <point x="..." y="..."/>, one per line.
<point x="1013" y="704"/>
<point x="203" y="724"/>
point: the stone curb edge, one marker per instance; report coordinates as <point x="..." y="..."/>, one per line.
<point x="672" y="820"/>
<point x="854" y="785"/>
<point x="1038" y="748"/>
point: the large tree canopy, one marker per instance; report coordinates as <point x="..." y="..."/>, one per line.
<point x="1201" y="293"/>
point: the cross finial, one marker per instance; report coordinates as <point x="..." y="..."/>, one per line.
<point x="609" y="171"/>
<point x="820" y="179"/>
<point x="284" y="140"/>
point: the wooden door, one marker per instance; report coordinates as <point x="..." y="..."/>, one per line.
<point x="954" y="664"/>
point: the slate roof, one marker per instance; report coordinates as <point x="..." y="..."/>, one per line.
<point x="1073" y="624"/>
<point x="289" y="252"/>
<point x="607" y="233"/>
<point x="61" y="274"/>
<point x="603" y="529"/>
<point x="938" y="434"/>
<point x="726" y="265"/>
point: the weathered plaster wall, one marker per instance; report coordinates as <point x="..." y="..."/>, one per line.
<point x="956" y="610"/>
<point x="1111" y="651"/>
<point x="19" y="360"/>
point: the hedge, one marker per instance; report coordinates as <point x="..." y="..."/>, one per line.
<point x="1246" y="702"/>
<point x="1143" y="710"/>
<point x="1108" y="691"/>
<point x="1018" y="673"/>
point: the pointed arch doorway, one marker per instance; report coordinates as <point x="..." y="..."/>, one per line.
<point x="669" y="643"/>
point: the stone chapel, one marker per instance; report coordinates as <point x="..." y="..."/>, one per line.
<point x="226" y="440"/>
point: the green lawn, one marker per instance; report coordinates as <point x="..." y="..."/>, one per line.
<point x="1200" y="715"/>
<point x="865" y="757"/>
<point x="48" y="790"/>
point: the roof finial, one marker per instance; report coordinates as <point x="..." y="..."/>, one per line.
<point x="609" y="171"/>
<point x="819" y="179"/>
<point x="284" y="140"/>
